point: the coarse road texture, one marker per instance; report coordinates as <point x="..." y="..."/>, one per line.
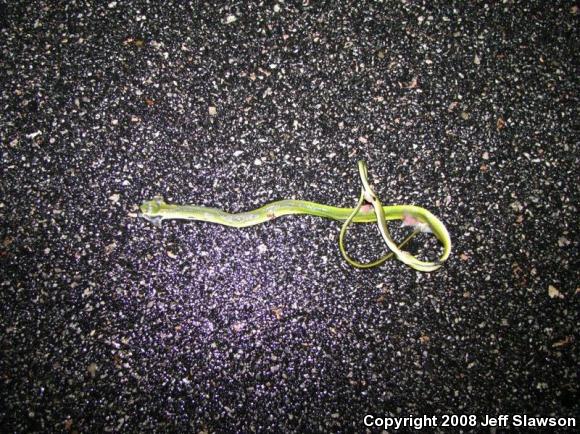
<point x="108" y="323"/>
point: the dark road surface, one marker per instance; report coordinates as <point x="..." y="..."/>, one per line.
<point x="109" y="324"/>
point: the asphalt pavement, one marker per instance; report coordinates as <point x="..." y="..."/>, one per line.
<point x="110" y="324"/>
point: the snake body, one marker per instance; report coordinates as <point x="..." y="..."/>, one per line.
<point x="157" y="210"/>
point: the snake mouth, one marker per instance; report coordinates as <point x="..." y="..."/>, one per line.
<point x="155" y="221"/>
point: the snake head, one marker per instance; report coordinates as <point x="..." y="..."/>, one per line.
<point x="151" y="210"/>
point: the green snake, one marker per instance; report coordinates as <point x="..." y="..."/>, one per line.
<point x="420" y="219"/>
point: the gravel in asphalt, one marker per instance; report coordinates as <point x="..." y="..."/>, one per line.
<point x="109" y="324"/>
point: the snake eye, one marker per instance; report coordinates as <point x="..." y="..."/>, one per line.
<point x="151" y="207"/>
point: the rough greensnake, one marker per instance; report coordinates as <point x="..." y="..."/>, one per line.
<point x="420" y="219"/>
